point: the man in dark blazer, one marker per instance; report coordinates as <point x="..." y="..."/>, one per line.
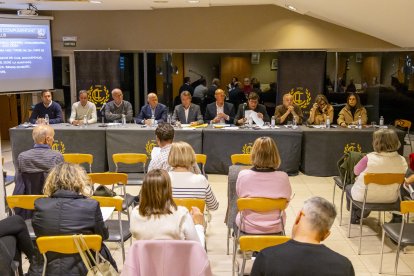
<point x="187" y="112"/>
<point x="219" y="111"/>
<point x="187" y="86"/>
<point x="159" y="111"/>
<point x="252" y="104"/>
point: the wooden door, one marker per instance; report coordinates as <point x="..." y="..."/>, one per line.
<point x="232" y="66"/>
<point x="8" y="115"/>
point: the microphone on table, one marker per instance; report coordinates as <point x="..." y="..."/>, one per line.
<point x="102" y="107"/>
<point x="244" y="109"/>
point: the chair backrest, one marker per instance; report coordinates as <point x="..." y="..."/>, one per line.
<point x="201" y="158"/>
<point x="407" y="206"/>
<point x="260" y="242"/>
<point x="243" y="159"/>
<point x="383" y="178"/>
<point x="403" y="123"/>
<point x="259" y="204"/>
<point x="129" y="158"/>
<point x="190" y="202"/>
<point x="105" y="201"/>
<point x="108" y="178"/>
<point x="22" y="201"/>
<point x="78" y="158"/>
<point x="166" y="257"/>
<point x="66" y="244"/>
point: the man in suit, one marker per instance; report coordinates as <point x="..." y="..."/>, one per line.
<point x="187" y="112"/>
<point x="252" y="104"/>
<point x="187" y="86"/>
<point x="219" y="111"/>
<point x="46" y="107"/>
<point x="215" y="84"/>
<point x="153" y="108"/>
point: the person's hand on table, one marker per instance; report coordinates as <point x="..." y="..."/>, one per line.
<point x="41" y="121"/>
<point x="260" y="115"/>
<point x="147" y="122"/>
<point x="241" y="121"/>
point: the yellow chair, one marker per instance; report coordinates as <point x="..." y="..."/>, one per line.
<point x="24" y="202"/>
<point x="401" y="233"/>
<point x="380" y="179"/>
<point x="258" y="205"/>
<point x="405" y="124"/>
<point x="130" y="159"/>
<point x="190" y="202"/>
<point x="201" y="159"/>
<point x="118" y="229"/>
<point x="66" y="245"/>
<point x="257" y="243"/>
<point x="79" y="158"/>
<point x="243" y="159"/>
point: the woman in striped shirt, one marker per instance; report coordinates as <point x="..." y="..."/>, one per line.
<point x="185" y="183"/>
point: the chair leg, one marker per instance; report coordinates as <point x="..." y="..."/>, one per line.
<point x="243" y="264"/>
<point x="382" y="251"/>
<point x="234" y="254"/>
<point x="44" y="265"/>
<point x="396" y="260"/>
<point x="228" y="240"/>
<point x="360" y="231"/>
<point x="123" y="251"/>
<point x="342" y="206"/>
<point x="333" y="194"/>
<point x="350" y="218"/>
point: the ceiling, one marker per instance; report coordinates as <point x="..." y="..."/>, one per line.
<point x="383" y="19"/>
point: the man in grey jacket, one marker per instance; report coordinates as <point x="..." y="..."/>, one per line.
<point x="118" y="107"/>
<point x="187" y="112"/>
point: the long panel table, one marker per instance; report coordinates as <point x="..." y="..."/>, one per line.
<point x="220" y="144"/>
<point x="68" y="139"/>
<point x="322" y="148"/>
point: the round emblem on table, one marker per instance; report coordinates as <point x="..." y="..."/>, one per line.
<point x="98" y="94"/>
<point x="58" y="146"/>
<point x="149" y="146"/>
<point x="352" y="147"/>
<point x="301" y="96"/>
<point x="247" y="148"/>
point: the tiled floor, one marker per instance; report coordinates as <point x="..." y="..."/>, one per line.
<point x="304" y="187"/>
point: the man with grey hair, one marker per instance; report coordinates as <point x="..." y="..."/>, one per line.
<point x="83" y="108"/>
<point x="303" y="254"/>
<point x="118" y="107"/>
<point x="152" y="109"/>
<point x="33" y="165"/>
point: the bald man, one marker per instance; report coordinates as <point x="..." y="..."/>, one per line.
<point x="287" y="111"/>
<point x="219" y="111"/>
<point x="159" y="111"/>
<point x="118" y="107"/>
<point x="38" y="160"/>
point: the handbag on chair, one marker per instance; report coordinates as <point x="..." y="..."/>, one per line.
<point x="102" y="267"/>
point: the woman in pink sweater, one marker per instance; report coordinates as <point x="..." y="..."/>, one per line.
<point x="263" y="181"/>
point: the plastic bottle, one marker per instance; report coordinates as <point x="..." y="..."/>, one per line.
<point x="85" y="121"/>
<point x="381" y="122"/>
<point x="294" y="123"/>
<point x="47" y="119"/>
<point x="328" y="123"/>
<point x="169" y="118"/>
<point x="273" y="122"/>
<point x="359" y="122"/>
<point x="152" y="120"/>
<point x="123" y="119"/>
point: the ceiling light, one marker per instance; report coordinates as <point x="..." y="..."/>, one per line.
<point x="290" y="7"/>
<point x="160" y="1"/>
<point x="95" y="1"/>
<point x="193" y="1"/>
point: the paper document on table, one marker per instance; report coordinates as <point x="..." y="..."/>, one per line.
<point x="107" y="212"/>
<point x="252" y="114"/>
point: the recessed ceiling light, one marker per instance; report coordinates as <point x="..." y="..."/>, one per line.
<point x="290" y="7"/>
<point x="160" y="1"/>
<point x="95" y="1"/>
<point x="193" y="1"/>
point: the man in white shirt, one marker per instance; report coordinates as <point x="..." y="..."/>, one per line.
<point x="187" y="112"/>
<point x="82" y="108"/>
<point x="219" y="111"/>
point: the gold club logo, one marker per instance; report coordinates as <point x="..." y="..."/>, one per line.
<point x="247" y="148"/>
<point x="352" y="147"/>
<point x="98" y="94"/>
<point x="301" y="96"/>
<point x="149" y="147"/>
<point x="58" y="146"/>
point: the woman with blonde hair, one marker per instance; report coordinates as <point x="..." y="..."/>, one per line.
<point x="384" y="159"/>
<point x="158" y="218"/>
<point x="320" y="111"/>
<point x="263" y="180"/>
<point x="185" y="183"/>
<point x="67" y="211"/>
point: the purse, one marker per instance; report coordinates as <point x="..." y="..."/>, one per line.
<point x="104" y="191"/>
<point x="95" y="268"/>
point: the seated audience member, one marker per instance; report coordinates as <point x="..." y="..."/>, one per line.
<point x="201" y="90"/>
<point x="210" y="97"/>
<point x="49" y="107"/>
<point x="320" y="111"/>
<point x="236" y="95"/>
<point x="247" y="87"/>
<point x="219" y="111"/>
<point x="253" y="105"/>
<point x="263" y="181"/>
<point x="67" y="211"/>
<point x="33" y="165"/>
<point x="158" y="218"/>
<point x="186" y="86"/>
<point x="185" y="183"/>
<point x="351" y="86"/>
<point x="231" y="85"/>
<point x="384" y="159"/>
<point x="288" y="111"/>
<point x="152" y="108"/>
<point x="352" y="110"/>
<point x="83" y="108"/>
<point x="14" y="240"/>
<point x="118" y="107"/>
<point x="303" y="254"/>
<point x="187" y="112"/>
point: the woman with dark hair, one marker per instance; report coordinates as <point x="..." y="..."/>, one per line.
<point x="158" y="218"/>
<point x="320" y="111"/>
<point x="349" y="115"/>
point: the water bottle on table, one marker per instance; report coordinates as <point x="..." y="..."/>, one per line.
<point x="46" y="119"/>
<point x="359" y="125"/>
<point x="85" y="121"/>
<point x="152" y="120"/>
<point x="381" y="122"/>
<point x="294" y="123"/>
<point x="123" y="119"/>
<point x="273" y="122"/>
<point x="328" y="123"/>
